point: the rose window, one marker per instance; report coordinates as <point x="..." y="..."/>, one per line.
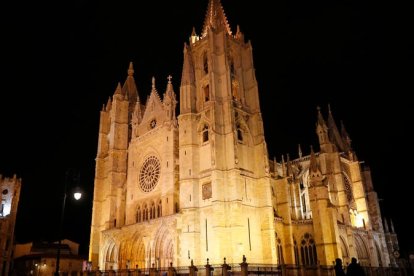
<point x="149" y="174"/>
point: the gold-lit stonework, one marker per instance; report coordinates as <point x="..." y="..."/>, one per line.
<point x="171" y="189"/>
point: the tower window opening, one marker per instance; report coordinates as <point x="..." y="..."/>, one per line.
<point x="239" y="134"/>
<point x="205" y="133"/>
<point x="304" y="204"/>
<point x="232" y="70"/>
<point x="205" y="63"/>
<point x="206" y="93"/>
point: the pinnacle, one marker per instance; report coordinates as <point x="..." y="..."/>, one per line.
<point x="215" y="18"/>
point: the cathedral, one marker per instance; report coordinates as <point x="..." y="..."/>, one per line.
<point x="179" y="187"/>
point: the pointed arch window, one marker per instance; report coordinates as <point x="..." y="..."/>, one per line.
<point x="152" y="211"/>
<point x="296" y="251"/>
<point x="145" y="212"/>
<point x="206" y="91"/>
<point x="159" y="209"/>
<point x="232" y="70"/>
<point x="279" y="250"/>
<point x="204" y="134"/>
<point x="205" y="63"/>
<point x="239" y="134"/>
<point x="303" y="204"/>
<point x="308" y="250"/>
<point x="138" y="216"/>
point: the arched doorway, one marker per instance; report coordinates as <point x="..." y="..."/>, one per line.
<point x="163" y="248"/>
<point x="361" y="248"/>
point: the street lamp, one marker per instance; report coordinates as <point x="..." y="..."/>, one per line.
<point x="77" y="195"/>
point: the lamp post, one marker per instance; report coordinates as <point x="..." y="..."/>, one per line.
<point x="77" y="195"/>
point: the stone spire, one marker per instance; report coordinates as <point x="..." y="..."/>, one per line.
<point x="289" y="168"/>
<point x="386" y="229"/>
<point x="188" y="76"/>
<point x="321" y="120"/>
<point x="215" y="18"/>
<point x="170" y="101"/>
<point x="136" y="118"/>
<point x="333" y="131"/>
<point x="153" y="88"/>
<point x="239" y="35"/>
<point x="323" y="134"/>
<point x="313" y="164"/>
<point x="169" y="85"/>
<point x="275" y="166"/>
<point x="108" y="105"/>
<point x="129" y="88"/>
<point x="345" y="137"/>
<point x="118" y="95"/>
<point x="194" y="37"/>
<point x="315" y="174"/>
<point x="299" y="151"/>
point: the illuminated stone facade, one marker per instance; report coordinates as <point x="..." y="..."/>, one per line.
<point x="200" y="185"/>
<point x="9" y="201"/>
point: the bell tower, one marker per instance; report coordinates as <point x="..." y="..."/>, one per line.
<point x="224" y="169"/>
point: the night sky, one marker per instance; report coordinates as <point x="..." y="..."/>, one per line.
<point x="61" y="61"/>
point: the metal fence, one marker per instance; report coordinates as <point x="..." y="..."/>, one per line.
<point x="252" y="269"/>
